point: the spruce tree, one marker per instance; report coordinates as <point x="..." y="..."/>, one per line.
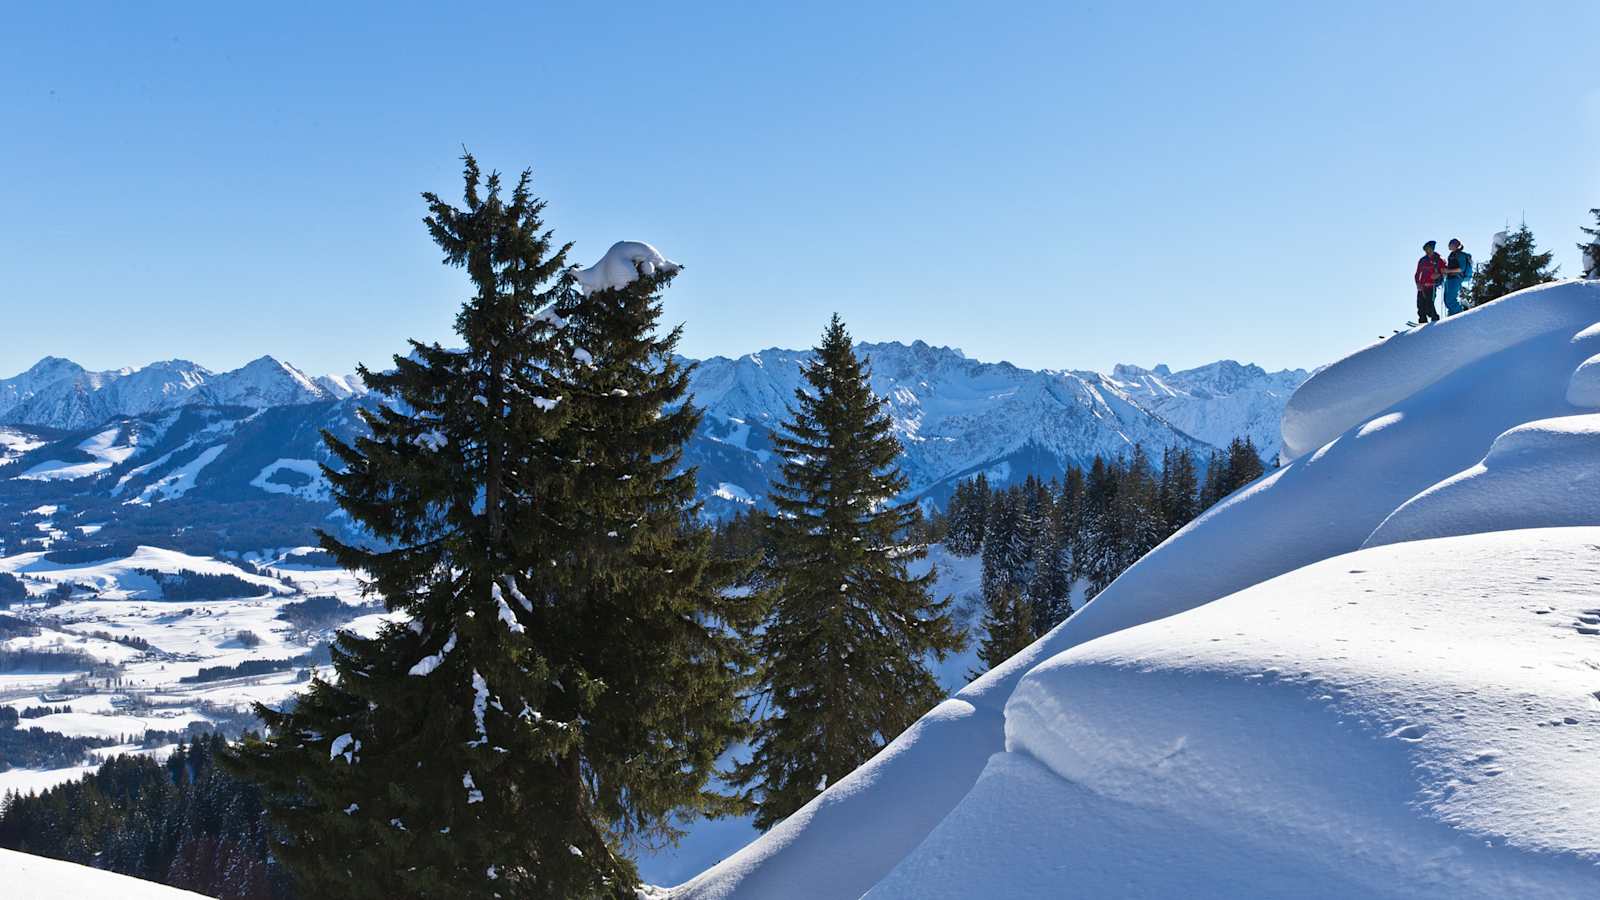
<point x="1591" y="248"/>
<point x="1007" y="627"/>
<point x="968" y="512"/>
<point x="1244" y="465"/>
<point x="1070" y="511"/>
<point x="1001" y="543"/>
<point x="845" y="646"/>
<point x="1049" y="589"/>
<point x="1138" y="510"/>
<point x="566" y="678"/>
<point x="1180" y="490"/>
<point x="1514" y="265"/>
<point x="1212" y="489"/>
<point x="1103" y="532"/>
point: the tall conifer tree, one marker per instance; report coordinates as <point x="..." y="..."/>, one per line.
<point x="565" y="681"/>
<point x="1103" y="531"/>
<point x="1244" y="465"/>
<point x="845" y="646"/>
<point x="1007" y="627"/>
<point x="1180" y="489"/>
<point x="968" y="511"/>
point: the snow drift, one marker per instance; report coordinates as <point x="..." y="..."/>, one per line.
<point x="1362" y="727"/>
<point x="1396" y="431"/>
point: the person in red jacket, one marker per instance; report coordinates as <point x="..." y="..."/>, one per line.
<point x="1430" y="271"/>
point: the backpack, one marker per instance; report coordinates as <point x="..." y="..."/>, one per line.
<point x="1466" y="265"/>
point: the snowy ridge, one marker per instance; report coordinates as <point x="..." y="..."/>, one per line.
<point x="1327" y="720"/>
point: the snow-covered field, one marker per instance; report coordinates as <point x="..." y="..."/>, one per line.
<point x="132" y="689"/>
<point x="1261" y="707"/>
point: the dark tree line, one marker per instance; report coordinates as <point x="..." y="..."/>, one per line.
<point x="187" y="586"/>
<point x="183" y="822"/>
<point x="1039" y="540"/>
<point x="12" y="589"/>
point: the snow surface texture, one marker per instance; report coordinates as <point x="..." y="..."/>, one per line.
<point x="1362" y="727"/>
<point x="28" y="877"/>
<point x="622" y="265"/>
<point x="1364" y="437"/>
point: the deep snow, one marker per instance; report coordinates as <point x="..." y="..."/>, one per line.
<point x="28" y="877"/>
<point x="1362" y="438"/>
<point x="1365" y="726"/>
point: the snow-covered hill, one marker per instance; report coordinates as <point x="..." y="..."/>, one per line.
<point x="1348" y="679"/>
<point x="29" y="877"/>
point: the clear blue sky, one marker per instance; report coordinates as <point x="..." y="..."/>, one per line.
<point x="1054" y="184"/>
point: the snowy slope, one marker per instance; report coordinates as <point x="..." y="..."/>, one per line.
<point x="1366" y="436"/>
<point x="28" y="877"/>
<point x="1362" y="727"/>
<point x="121" y="577"/>
<point x="16" y="441"/>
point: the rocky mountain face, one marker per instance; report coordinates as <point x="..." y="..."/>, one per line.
<point x="1214" y="403"/>
<point x="232" y="459"/>
<point x="957" y="416"/>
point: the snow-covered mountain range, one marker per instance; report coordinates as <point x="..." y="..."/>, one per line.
<point x="122" y="443"/>
<point x="60" y="394"/>
<point x="957" y="416"/>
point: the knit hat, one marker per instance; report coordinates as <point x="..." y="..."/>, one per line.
<point x="1430" y="245"/>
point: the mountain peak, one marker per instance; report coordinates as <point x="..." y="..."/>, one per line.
<point x="54" y="366"/>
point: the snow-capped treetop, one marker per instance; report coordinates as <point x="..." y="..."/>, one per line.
<point x="624" y="262"/>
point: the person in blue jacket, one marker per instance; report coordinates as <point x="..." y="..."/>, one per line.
<point x="1457" y="269"/>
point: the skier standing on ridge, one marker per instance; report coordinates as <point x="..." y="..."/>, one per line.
<point x="1457" y="269"/>
<point x="1430" y="268"/>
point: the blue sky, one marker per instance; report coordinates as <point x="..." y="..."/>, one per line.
<point x="1055" y="184"/>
